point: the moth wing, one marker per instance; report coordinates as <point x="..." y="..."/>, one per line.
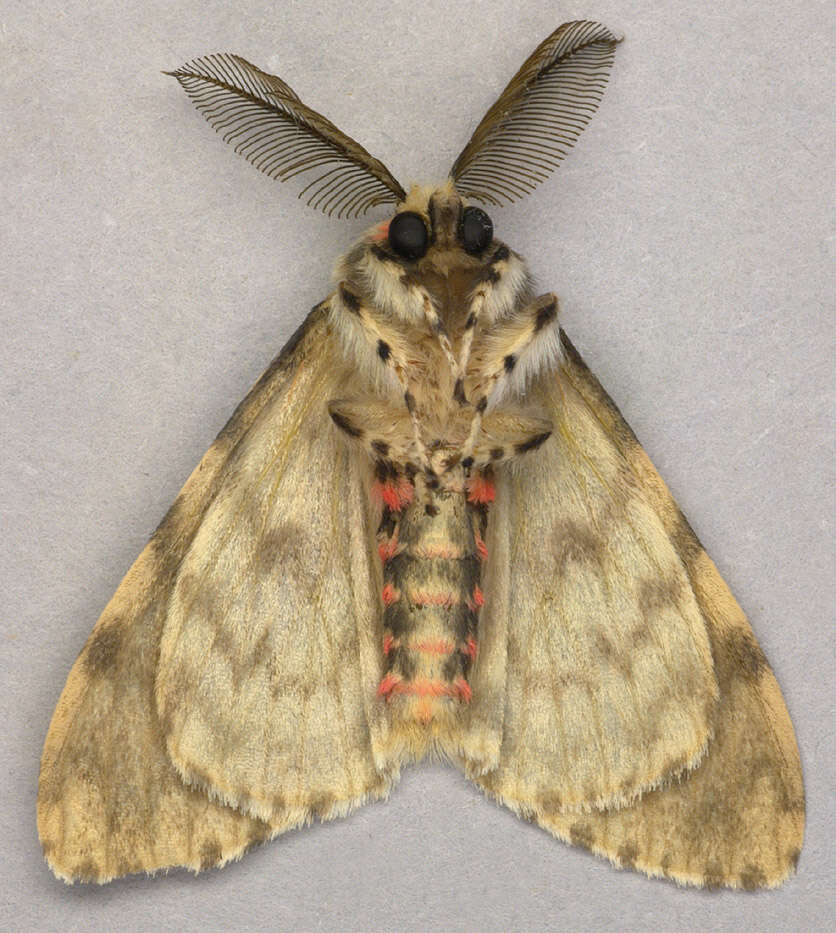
<point x="110" y="799"/>
<point x="735" y="816"/>
<point x="260" y="690"/>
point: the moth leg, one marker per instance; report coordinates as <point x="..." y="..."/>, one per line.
<point x="390" y="349"/>
<point x="435" y="323"/>
<point x="506" y="435"/>
<point x="479" y="300"/>
<point x="382" y="430"/>
<point x="510" y="351"/>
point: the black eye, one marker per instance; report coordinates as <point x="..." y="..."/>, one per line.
<point x="475" y="229"/>
<point x="408" y="235"/>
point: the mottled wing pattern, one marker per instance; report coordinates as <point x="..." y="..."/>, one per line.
<point x="259" y="689"/>
<point x="610" y="682"/>
<point x="737" y="818"/>
<point x="110" y="801"/>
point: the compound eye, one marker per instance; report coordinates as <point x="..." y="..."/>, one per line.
<point x="475" y="229"/>
<point x="408" y="235"/>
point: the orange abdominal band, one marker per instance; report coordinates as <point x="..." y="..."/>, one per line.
<point x="421" y="598"/>
<point x="392" y="685"/>
<point x="441" y="646"/>
<point x="437" y="552"/>
<point x="436" y="646"/>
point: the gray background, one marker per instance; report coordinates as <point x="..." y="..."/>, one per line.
<point x="148" y="275"/>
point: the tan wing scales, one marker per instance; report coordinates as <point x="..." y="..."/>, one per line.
<point x="610" y="685"/>
<point x="270" y="605"/>
<point x="737" y="818"/>
<point x="110" y="801"/>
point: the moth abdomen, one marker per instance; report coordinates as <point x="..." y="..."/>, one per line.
<point x="432" y="567"/>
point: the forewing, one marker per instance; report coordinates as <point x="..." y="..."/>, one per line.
<point x="737" y="818"/>
<point x="259" y="688"/>
<point x="610" y="682"/>
<point x="110" y="801"/>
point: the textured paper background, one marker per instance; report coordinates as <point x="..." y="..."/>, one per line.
<point x="148" y="275"/>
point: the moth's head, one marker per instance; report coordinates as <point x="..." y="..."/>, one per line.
<point x="434" y="226"/>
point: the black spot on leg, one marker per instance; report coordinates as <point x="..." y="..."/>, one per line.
<point x="510" y="362"/>
<point x="532" y="443"/>
<point x="458" y="391"/>
<point x="470" y="322"/>
<point x="431" y="214"/>
<point x="431" y="510"/>
<point x="384" y="351"/>
<point x="497" y="453"/>
<point x="409" y="401"/>
<point x="381" y="448"/>
<point x="467" y="463"/>
<point x="482" y="404"/>
<point x="345" y="425"/>
<point x="349" y="299"/>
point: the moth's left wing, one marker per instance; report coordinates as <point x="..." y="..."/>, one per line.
<point x="267" y="676"/>
<point x="620" y="632"/>
<point x="237" y="662"/>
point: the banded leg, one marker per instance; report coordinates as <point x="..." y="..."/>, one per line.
<point x="501" y="350"/>
<point x="503" y="285"/>
<point x="436" y="324"/>
<point x="391" y="350"/>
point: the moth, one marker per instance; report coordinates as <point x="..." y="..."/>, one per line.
<point x="426" y="530"/>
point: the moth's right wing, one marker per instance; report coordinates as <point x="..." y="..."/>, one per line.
<point x="641" y="718"/>
<point x="227" y="691"/>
